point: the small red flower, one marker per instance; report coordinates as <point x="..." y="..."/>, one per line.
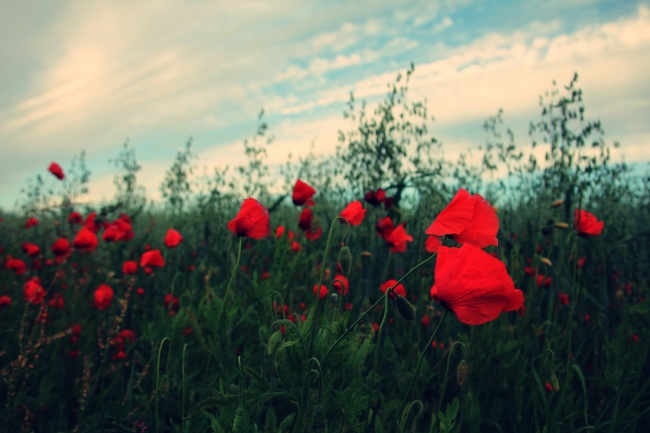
<point x="61" y="247"/>
<point x="86" y="240"/>
<point x="91" y="224"/>
<point x="75" y="218"/>
<point x="171" y="304"/>
<point x="398" y="239"/>
<point x="5" y="301"/>
<point x="563" y="298"/>
<point x="398" y="290"/>
<point x="31" y="222"/>
<point x="384" y="227"/>
<point x="305" y="219"/>
<point x="152" y="258"/>
<point x="375" y="198"/>
<point x="129" y="267"/>
<point x="33" y="291"/>
<point x="31" y="249"/>
<point x="474" y="285"/>
<point x="57" y="302"/>
<point x="354" y="213"/>
<point x="322" y="294"/>
<point x="172" y="238"/>
<point x="302" y="194"/>
<point x="56" y="170"/>
<point x="586" y="223"/>
<point x="103" y="297"/>
<point x="341" y="284"/>
<point x="468" y="219"/>
<point x="251" y="221"/>
<point x="16" y="265"/>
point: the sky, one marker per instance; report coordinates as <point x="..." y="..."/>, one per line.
<point x="81" y="75"/>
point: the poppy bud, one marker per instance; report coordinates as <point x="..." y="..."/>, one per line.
<point x="406" y="309"/>
<point x="561" y="226"/>
<point x="318" y="419"/>
<point x="554" y="382"/>
<point x="557" y="203"/>
<point x="546" y="261"/>
<point x="274" y="342"/>
<point x="345" y="260"/>
<point x="461" y="372"/>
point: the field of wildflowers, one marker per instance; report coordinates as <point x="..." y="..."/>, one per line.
<point x="384" y="289"/>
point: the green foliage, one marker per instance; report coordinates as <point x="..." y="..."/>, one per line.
<point x="277" y="359"/>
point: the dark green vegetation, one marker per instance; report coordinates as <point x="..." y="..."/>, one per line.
<point x="575" y="360"/>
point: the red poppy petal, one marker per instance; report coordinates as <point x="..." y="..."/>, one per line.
<point x="455" y="217"/>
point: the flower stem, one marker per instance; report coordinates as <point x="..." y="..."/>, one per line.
<point x="417" y="368"/>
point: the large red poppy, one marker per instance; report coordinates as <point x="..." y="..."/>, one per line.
<point x="56" y="170"/>
<point x="31" y="249"/>
<point x="302" y="193"/>
<point x="61" y="247"/>
<point x="398" y="239"/>
<point x="172" y="239"/>
<point x="152" y="258"/>
<point x="16" y="265"/>
<point x="129" y="267"/>
<point x="587" y="224"/>
<point x="86" y="240"/>
<point x="468" y="219"/>
<point x="103" y="297"/>
<point x="251" y="221"/>
<point x="33" y="291"/>
<point x="354" y="213"/>
<point x="474" y="285"/>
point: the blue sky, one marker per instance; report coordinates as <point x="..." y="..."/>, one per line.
<point x="88" y="75"/>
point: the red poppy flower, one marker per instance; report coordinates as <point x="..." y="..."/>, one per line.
<point x="563" y="298"/>
<point x="5" y="301"/>
<point x="33" y="291"/>
<point x="86" y="240"/>
<point x="314" y="234"/>
<point x="398" y="290"/>
<point x="31" y="249"/>
<point x="31" y="222"/>
<point x="468" y="219"/>
<point x="295" y="246"/>
<point x="61" y="247"/>
<point x="354" y="213"/>
<point x="322" y="294"/>
<point x="103" y="297"/>
<point x="375" y="198"/>
<point x="172" y="238"/>
<point x="171" y="304"/>
<point x="305" y="219"/>
<point x="474" y="285"/>
<point x="302" y="193"/>
<point x="57" y="302"/>
<point x="75" y="218"/>
<point x="385" y="227"/>
<point x="91" y="224"/>
<point x="398" y="239"/>
<point x="16" y="265"/>
<point x="129" y="267"/>
<point x="152" y="258"/>
<point x="586" y="223"/>
<point x="251" y="221"/>
<point x="56" y="170"/>
<point x="341" y="284"/>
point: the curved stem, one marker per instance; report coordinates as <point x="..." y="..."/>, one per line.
<point x="417" y="368"/>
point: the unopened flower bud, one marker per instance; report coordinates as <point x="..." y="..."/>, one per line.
<point x="554" y="382"/>
<point x="461" y="372"/>
<point x="561" y="226"/>
<point x="345" y="260"/>
<point x="557" y="203"/>
<point x="406" y="309"/>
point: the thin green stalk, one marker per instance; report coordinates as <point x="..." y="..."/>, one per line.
<point x="225" y="297"/>
<point x="376" y="362"/>
<point x="417" y="368"/>
<point x="444" y="382"/>
<point x="158" y="377"/>
<point x="184" y="391"/>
